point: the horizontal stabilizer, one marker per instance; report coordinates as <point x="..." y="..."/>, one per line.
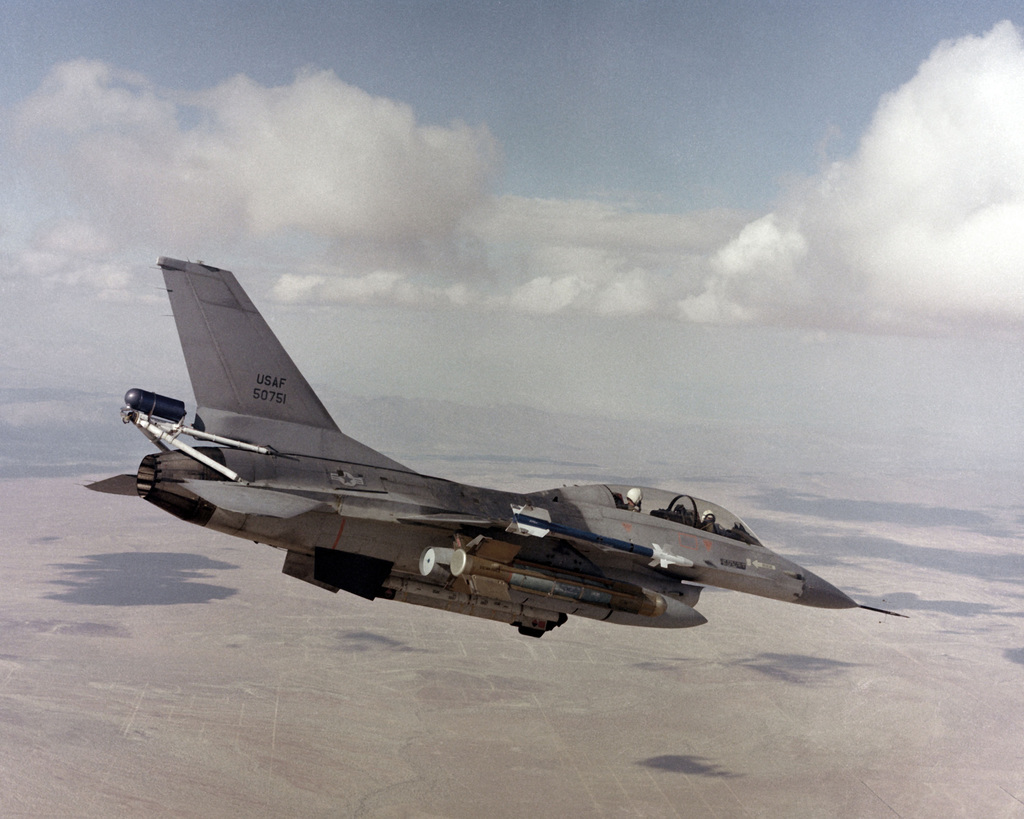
<point x="117" y="485"/>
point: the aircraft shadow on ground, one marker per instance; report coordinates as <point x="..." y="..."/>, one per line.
<point x="819" y="546"/>
<point x="65" y="628"/>
<point x="858" y="511"/>
<point x="908" y="601"/>
<point x="140" y="579"/>
<point x="371" y="641"/>
<point x="686" y="764"/>
<point x="799" y="669"/>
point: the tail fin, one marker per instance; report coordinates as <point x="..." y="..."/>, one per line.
<point x="246" y="385"/>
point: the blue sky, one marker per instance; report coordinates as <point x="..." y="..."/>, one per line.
<point x="696" y="104"/>
<point x="639" y="210"/>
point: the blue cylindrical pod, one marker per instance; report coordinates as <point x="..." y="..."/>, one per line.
<point x="149" y="403"/>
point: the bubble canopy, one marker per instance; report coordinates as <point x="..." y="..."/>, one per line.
<point x="678" y="507"/>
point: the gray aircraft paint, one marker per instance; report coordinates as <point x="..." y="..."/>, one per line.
<point x="282" y="473"/>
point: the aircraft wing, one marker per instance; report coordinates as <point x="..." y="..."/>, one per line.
<point x="255" y="500"/>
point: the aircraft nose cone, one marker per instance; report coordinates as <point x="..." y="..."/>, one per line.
<point x="823" y="595"/>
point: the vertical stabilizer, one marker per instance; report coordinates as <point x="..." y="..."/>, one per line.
<point x="246" y="385"/>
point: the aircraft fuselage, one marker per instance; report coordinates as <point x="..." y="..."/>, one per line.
<point x="272" y="466"/>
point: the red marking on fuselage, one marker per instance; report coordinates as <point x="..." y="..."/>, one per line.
<point x="693" y="542"/>
<point x="338" y="538"/>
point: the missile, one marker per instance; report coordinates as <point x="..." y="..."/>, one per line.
<point x="428" y="595"/>
<point x="595" y="598"/>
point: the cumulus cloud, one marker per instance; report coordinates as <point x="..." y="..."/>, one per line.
<point x="240" y="159"/>
<point x="918" y="230"/>
<point x="599" y="258"/>
<point x="915" y="232"/>
<point x="70" y="254"/>
<point x="406" y="207"/>
<point x="546" y="257"/>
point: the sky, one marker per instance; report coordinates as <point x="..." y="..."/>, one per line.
<point x="784" y="216"/>
<point x="771" y="250"/>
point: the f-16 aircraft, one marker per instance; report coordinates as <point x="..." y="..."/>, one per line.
<point x="269" y="464"/>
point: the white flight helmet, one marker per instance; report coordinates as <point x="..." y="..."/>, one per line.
<point x="634" y="495"/>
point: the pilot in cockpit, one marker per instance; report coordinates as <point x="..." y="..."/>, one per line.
<point x="634" y="497"/>
<point x="707" y="523"/>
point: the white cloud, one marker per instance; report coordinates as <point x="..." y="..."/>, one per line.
<point x="380" y="285"/>
<point x="545" y="257"/>
<point x="546" y="295"/>
<point x="762" y="243"/>
<point x="582" y="222"/>
<point x="72" y="254"/>
<point x="594" y="257"/>
<point x="295" y="288"/>
<point x="737" y="280"/>
<point x="84" y="97"/>
<point x="919" y="230"/>
<point x="405" y="208"/>
<point x="325" y="157"/>
<point x="317" y="156"/>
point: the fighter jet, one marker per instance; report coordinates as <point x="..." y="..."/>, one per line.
<point x="267" y="463"/>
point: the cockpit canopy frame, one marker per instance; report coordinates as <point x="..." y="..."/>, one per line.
<point x="678" y="507"/>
